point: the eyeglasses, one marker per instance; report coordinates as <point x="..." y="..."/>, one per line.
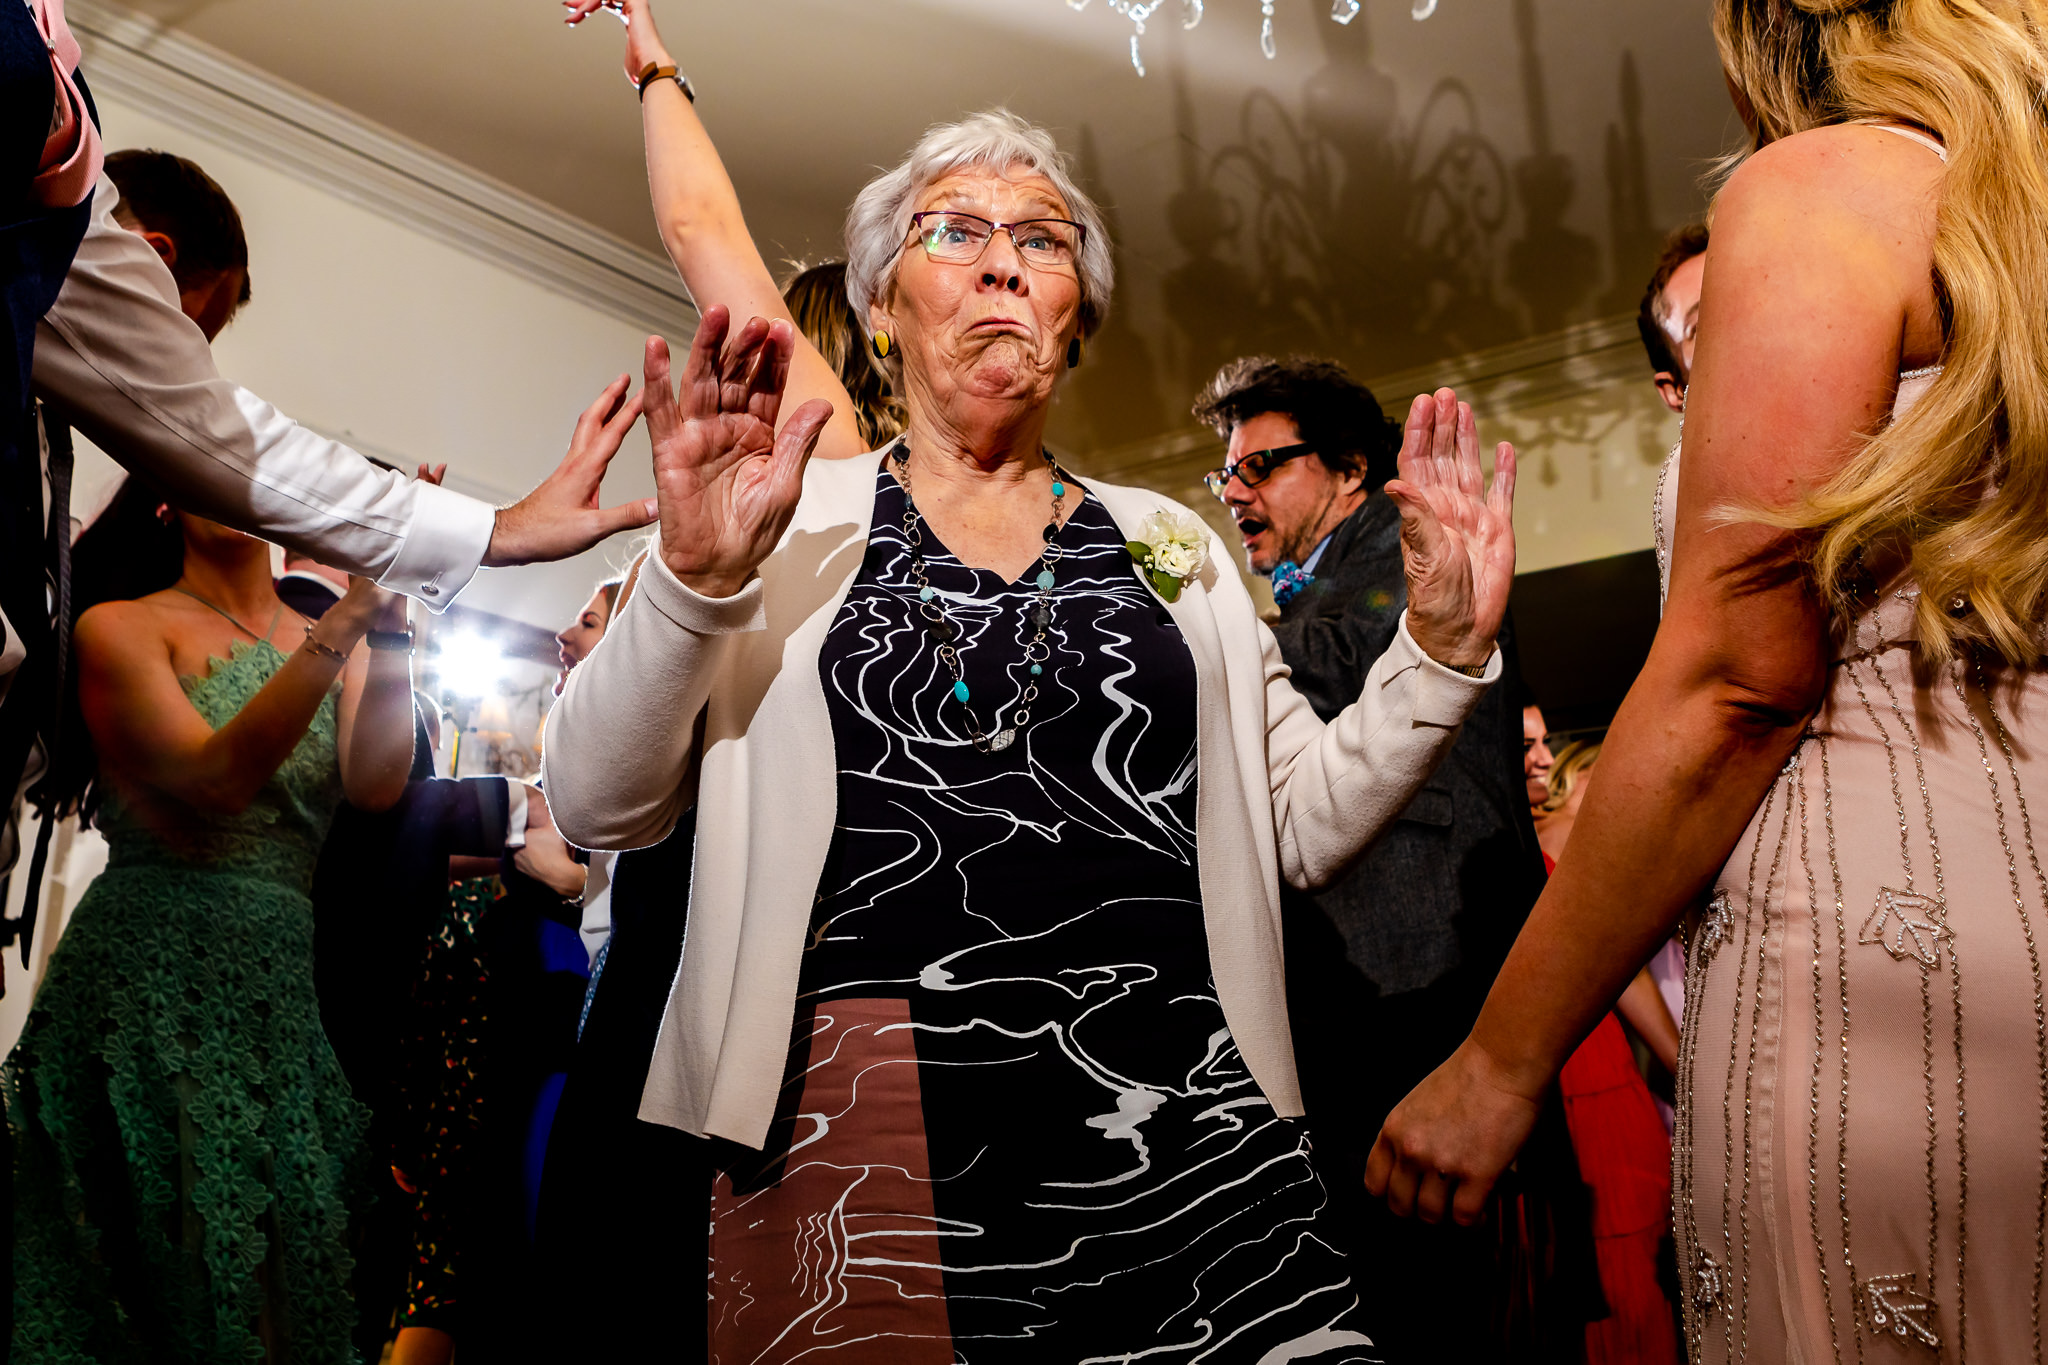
<point x="960" y="238"/>
<point x="1254" y="469"/>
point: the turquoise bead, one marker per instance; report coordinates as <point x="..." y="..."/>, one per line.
<point x="1045" y="579"/>
<point x="1059" y="490"/>
<point x="960" y="690"/>
<point x="926" y="594"/>
<point x="1036" y="670"/>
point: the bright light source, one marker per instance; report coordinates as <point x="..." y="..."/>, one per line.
<point x="471" y="666"/>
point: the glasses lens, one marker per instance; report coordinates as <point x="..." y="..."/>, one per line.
<point x="954" y="236"/>
<point x="1217" y="480"/>
<point x="1253" y="469"/>
<point x="1048" y="242"/>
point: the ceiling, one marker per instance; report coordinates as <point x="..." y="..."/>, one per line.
<point x="1391" y="192"/>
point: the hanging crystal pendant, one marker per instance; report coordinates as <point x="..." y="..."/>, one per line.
<point x="1138" y="11"/>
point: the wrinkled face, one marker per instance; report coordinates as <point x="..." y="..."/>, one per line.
<point x="995" y="330"/>
<point x="1299" y="503"/>
<point x="1537" y="760"/>
<point x="578" y="639"/>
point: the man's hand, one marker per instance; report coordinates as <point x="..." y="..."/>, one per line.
<point x="562" y="517"/>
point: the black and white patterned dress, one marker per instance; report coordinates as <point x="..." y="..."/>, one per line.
<point x="1016" y="1127"/>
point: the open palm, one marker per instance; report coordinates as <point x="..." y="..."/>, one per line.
<point x="726" y="483"/>
<point x="1457" y="531"/>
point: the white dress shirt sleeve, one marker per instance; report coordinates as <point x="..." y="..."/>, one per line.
<point x="515" y="815"/>
<point x="116" y="356"/>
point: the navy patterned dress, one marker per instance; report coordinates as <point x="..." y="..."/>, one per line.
<point x="1015" y="1125"/>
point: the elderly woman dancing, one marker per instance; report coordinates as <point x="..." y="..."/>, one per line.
<point x="982" y="985"/>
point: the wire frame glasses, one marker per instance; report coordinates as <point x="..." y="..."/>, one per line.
<point x="1254" y="469"/>
<point x="960" y="238"/>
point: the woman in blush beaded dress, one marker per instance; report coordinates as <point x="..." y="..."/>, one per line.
<point x="1826" y="766"/>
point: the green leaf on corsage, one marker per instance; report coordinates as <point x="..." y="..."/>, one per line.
<point x="1165" y="584"/>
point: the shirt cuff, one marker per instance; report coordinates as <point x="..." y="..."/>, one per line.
<point x="515" y="815"/>
<point x="1443" y="696"/>
<point x="449" y="535"/>
<point x="696" y="613"/>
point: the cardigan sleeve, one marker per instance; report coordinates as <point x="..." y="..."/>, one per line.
<point x="620" y="761"/>
<point x="1337" y="787"/>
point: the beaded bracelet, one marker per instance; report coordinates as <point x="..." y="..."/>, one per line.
<point x="323" y="650"/>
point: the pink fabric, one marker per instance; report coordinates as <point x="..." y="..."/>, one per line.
<point x="73" y="155"/>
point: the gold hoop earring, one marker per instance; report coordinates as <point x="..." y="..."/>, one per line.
<point x="880" y="345"/>
<point x="1074" y="354"/>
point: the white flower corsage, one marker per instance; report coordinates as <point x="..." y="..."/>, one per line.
<point x="1171" y="549"/>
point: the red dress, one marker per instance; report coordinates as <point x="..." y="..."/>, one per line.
<point x="1625" y="1160"/>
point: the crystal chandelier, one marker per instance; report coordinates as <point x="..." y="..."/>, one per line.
<point x="1138" y="11"/>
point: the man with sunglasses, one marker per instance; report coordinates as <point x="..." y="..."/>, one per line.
<point x="1388" y="965"/>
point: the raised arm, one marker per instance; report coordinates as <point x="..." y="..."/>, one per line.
<point x="1813" y="288"/>
<point x="698" y="213"/>
<point x="621" y="756"/>
<point x="147" y="733"/>
<point x="1337" y="786"/>
<point x="375" y="715"/>
<point x="125" y="366"/>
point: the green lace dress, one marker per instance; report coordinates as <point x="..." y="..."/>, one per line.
<point x="187" y="1152"/>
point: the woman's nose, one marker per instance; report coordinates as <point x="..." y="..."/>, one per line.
<point x="1001" y="266"/>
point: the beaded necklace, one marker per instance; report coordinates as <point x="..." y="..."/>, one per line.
<point x="940" y="623"/>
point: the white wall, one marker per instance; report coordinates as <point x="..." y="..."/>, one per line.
<point x="373" y="332"/>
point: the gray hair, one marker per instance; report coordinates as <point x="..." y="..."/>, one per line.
<point x="996" y="140"/>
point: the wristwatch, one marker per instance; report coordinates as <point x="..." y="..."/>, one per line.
<point x="389" y="639"/>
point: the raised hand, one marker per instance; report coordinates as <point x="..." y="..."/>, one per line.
<point x="727" y="484"/>
<point x="1457" y="533"/>
<point x="644" y="47"/>
<point x="562" y="516"/>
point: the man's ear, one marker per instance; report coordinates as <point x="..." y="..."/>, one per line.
<point x="1671" y="389"/>
<point x="163" y="245"/>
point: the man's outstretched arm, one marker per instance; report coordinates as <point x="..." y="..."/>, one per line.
<point x="119" y="360"/>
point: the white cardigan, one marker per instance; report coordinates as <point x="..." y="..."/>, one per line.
<point x="718" y="702"/>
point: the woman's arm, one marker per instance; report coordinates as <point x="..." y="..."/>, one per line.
<point x="1813" y="288"/>
<point x="1642" y="1005"/>
<point x="621" y="754"/>
<point x="375" y="715"/>
<point x="1337" y="786"/>
<point x="698" y="213"/>
<point x="147" y="732"/>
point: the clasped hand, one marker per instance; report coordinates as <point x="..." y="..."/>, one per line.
<point x="1457" y="531"/>
<point x="726" y="481"/>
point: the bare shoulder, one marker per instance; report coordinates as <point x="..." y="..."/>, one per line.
<point x="117" y="633"/>
<point x="1844" y="178"/>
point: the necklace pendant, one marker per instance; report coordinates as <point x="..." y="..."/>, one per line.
<point x="1001" y="740"/>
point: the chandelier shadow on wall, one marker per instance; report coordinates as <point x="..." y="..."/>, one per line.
<point x="1138" y="11"/>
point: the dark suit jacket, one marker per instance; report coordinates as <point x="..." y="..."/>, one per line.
<point x="1387" y="967"/>
<point x="381" y="883"/>
<point x="1451" y="882"/>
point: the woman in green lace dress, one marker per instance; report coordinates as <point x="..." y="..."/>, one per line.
<point x="187" y="1152"/>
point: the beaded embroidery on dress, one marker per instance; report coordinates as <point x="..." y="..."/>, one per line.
<point x="1862" y="1141"/>
<point x="187" y="1152"/>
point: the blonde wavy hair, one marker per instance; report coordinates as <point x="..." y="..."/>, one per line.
<point x="1962" y="477"/>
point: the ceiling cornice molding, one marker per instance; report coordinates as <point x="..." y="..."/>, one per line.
<point x="196" y="86"/>
<point x="1579" y="360"/>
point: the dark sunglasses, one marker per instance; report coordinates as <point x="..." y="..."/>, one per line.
<point x="1254" y="469"/>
